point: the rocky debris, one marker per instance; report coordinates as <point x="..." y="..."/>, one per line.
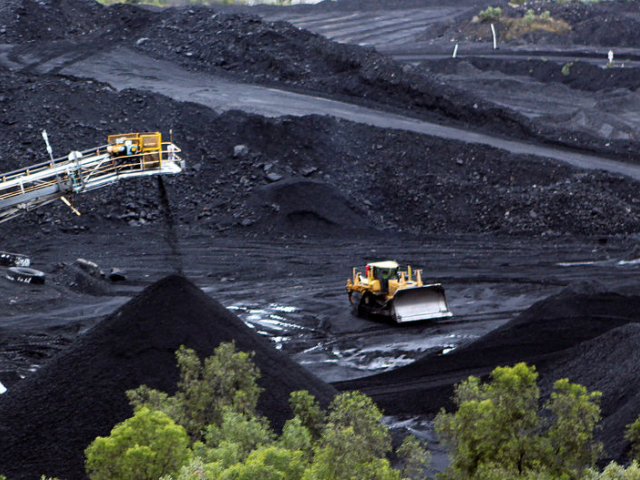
<point x="117" y="275"/>
<point x="80" y="394"/>
<point x="90" y="267"/>
<point x="81" y="278"/>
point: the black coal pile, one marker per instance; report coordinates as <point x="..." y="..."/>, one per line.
<point x="236" y="161"/>
<point x="591" y="24"/>
<point x="33" y="20"/>
<point x="48" y="419"/>
<point x="293" y="205"/>
<point x="607" y="25"/>
<point x="609" y="364"/>
<point x="566" y="335"/>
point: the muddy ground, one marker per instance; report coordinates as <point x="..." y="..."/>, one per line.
<point x="272" y="212"/>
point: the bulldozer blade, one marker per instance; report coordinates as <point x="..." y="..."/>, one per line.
<point x="420" y="303"/>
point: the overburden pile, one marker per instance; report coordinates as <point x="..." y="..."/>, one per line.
<point x="49" y="418"/>
<point x="590" y="337"/>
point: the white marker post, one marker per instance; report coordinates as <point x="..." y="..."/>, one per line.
<point x="46" y="140"/>
<point x="495" y="38"/>
<point x="610" y="57"/>
<point x="455" y="51"/>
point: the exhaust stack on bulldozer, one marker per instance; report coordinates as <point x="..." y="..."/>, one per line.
<point x="385" y="290"/>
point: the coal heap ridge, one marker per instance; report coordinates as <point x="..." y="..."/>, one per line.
<point x="609" y="364"/>
<point x="48" y="419"/>
<point x="589" y="337"/>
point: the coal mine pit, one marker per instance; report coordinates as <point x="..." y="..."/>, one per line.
<point x="318" y="138"/>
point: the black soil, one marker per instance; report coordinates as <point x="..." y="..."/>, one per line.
<point x="48" y="419"/>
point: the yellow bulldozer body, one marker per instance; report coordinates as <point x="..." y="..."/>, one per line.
<point x="385" y="290"/>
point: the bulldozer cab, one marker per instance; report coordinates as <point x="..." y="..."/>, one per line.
<point x="383" y="272"/>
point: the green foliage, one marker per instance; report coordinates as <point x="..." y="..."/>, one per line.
<point x="295" y="436"/>
<point x="269" y="463"/>
<point x="613" y="471"/>
<point x="226" y="380"/>
<point x="234" y="439"/>
<point x="490" y="14"/>
<point x="143" y="447"/>
<point x="497" y="431"/>
<point x="566" y="69"/>
<point x="196" y="469"/>
<point x="633" y="435"/>
<point x="353" y="444"/>
<point x="415" y="458"/>
<point x="215" y="405"/>
<point x="307" y="409"/>
<point x="529" y="17"/>
<point x="575" y="415"/>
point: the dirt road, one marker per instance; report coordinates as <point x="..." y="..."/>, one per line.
<point x="123" y="68"/>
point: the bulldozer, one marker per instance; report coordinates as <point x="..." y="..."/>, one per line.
<point x="400" y="295"/>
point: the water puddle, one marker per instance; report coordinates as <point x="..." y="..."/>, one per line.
<point x="635" y="261"/>
<point x="333" y="361"/>
<point x="275" y="321"/>
<point x="574" y="264"/>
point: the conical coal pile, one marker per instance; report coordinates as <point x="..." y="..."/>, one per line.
<point x="48" y="419"/>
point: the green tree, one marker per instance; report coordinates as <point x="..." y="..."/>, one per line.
<point x="498" y="431"/>
<point x="415" y="458"/>
<point x="295" y="436"/>
<point x="307" y="409"/>
<point x="633" y="435"/>
<point x="269" y="463"/>
<point x="575" y="415"/>
<point x="143" y="447"/>
<point x="196" y="469"/>
<point x="613" y="471"/>
<point x="354" y="443"/>
<point x="234" y="439"/>
<point x="225" y="380"/>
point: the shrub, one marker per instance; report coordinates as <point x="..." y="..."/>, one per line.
<point x="491" y="14"/>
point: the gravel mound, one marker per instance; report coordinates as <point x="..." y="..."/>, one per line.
<point x="79" y="394"/>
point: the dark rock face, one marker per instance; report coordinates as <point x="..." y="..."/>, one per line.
<point x="50" y="418"/>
